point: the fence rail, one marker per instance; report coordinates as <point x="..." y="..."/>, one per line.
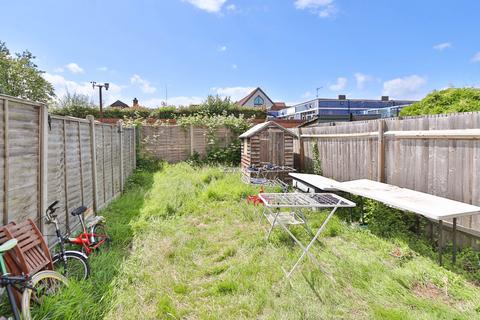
<point x="437" y="154"/>
<point x="42" y="159"/>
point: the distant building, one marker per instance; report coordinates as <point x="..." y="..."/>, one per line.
<point x="123" y="105"/>
<point x="339" y="107"/>
<point x="119" y="104"/>
<point x="259" y="99"/>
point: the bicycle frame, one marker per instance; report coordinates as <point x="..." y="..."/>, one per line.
<point x="86" y="239"/>
<point x="11" y="283"/>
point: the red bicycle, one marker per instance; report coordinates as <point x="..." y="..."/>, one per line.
<point x="94" y="233"/>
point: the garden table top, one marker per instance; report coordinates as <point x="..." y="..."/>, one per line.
<point x="315" y="181"/>
<point x="430" y="206"/>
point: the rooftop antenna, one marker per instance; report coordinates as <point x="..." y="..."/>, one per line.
<point x="318" y="90"/>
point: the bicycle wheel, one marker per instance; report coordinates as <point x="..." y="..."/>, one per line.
<point x="43" y="283"/>
<point x="75" y="267"/>
<point x="100" y="237"/>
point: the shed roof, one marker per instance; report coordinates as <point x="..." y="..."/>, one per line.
<point x="262" y="126"/>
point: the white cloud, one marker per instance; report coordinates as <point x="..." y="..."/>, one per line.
<point x="442" y="46"/>
<point x="322" y="8"/>
<point x="235" y="93"/>
<point x="408" y="87"/>
<point x="74" y="68"/>
<point x="58" y="70"/>
<point x="102" y="69"/>
<point x="231" y="7"/>
<point x="144" y="85"/>
<point x="222" y="48"/>
<point x="339" y="85"/>
<point x="362" y="79"/>
<point x="234" y="67"/>
<point x="211" y="6"/>
<point x="476" y="57"/>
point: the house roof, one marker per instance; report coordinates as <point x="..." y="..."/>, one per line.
<point x="242" y="102"/>
<point x="262" y="126"/>
<point x="119" y="104"/>
<point x="278" y="106"/>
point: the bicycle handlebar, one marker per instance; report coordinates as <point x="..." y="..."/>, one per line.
<point x="50" y="216"/>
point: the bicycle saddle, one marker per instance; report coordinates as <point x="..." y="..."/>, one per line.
<point x="79" y="211"/>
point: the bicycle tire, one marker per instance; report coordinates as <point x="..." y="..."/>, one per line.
<point x="101" y="229"/>
<point x="78" y="267"/>
<point x="48" y="280"/>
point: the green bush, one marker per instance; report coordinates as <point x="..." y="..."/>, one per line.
<point x="445" y="101"/>
<point x="80" y="106"/>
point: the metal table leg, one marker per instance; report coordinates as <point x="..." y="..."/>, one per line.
<point x="305" y="250"/>
<point x="454" y="241"/>
<point x="440" y="241"/>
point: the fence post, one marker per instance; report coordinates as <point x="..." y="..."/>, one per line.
<point x="93" y="153"/>
<point x="5" y="159"/>
<point x="381" y="151"/>
<point x="43" y="165"/>
<point x="134" y="132"/>
<point x="120" y="135"/>
<point x="301" y="156"/>
<point x="65" y="173"/>
<point x="191" y="140"/>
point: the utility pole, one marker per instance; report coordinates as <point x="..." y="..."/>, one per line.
<point x="100" y="87"/>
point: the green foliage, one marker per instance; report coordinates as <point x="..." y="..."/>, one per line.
<point x="469" y="260"/>
<point x="20" y="76"/>
<point x="79" y="106"/>
<point x="146" y="162"/>
<point x="445" y="101"/>
<point x="317" y="161"/>
<point x="387" y="222"/>
<point x="229" y="155"/>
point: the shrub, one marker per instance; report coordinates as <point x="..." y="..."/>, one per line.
<point x="446" y="101"/>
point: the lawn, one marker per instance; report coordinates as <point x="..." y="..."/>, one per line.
<point x="186" y="245"/>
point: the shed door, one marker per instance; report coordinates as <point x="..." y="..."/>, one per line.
<point x="277" y="148"/>
<point x="272" y="147"/>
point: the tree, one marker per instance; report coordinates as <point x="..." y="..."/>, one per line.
<point x="20" y="76"/>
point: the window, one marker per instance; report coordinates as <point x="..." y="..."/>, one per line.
<point x="258" y="101"/>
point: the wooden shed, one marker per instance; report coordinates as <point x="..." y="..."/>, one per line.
<point x="267" y="143"/>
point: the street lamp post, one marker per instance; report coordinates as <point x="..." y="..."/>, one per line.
<point x="100" y="87"/>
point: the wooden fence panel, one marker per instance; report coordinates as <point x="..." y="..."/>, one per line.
<point x="447" y="166"/>
<point x="177" y="143"/>
<point x="23" y="160"/>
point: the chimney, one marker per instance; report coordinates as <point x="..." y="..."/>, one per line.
<point x="385" y="98"/>
<point x="135" y="103"/>
<point x="342" y="97"/>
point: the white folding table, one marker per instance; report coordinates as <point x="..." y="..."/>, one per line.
<point x="275" y="205"/>
<point x="430" y="206"/>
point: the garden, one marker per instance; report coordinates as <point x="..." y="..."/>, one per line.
<point x="187" y="245"/>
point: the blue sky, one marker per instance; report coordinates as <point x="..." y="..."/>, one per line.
<point x="288" y="47"/>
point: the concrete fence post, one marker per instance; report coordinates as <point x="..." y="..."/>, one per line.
<point x="93" y="154"/>
<point x="381" y="151"/>
<point x="120" y="139"/>
<point x="43" y="165"/>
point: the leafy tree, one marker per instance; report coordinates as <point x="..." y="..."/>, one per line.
<point x="446" y="101"/>
<point x="20" y="76"/>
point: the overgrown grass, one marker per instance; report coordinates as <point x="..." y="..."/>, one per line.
<point x="199" y="252"/>
<point x="186" y="245"/>
<point x="90" y="299"/>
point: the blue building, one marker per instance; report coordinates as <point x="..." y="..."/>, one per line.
<point x="342" y="106"/>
